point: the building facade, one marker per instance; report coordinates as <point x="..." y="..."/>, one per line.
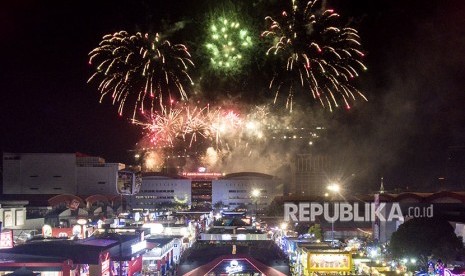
<point x="158" y="189"/>
<point x="31" y="173"/>
<point x="58" y="173"/>
<point x="236" y="189"/>
<point x="206" y="190"/>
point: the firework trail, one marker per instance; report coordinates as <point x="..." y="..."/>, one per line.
<point x="318" y="55"/>
<point x="195" y="123"/>
<point x="140" y="69"/>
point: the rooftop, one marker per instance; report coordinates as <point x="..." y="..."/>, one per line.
<point x="202" y="252"/>
<point x="85" y="251"/>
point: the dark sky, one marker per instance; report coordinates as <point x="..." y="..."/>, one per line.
<point x="415" y="82"/>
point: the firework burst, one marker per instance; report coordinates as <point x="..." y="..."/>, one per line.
<point x="164" y="127"/>
<point x="195" y="124"/>
<point x="189" y="125"/>
<point x="318" y="55"/>
<point x="227" y="44"/>
<point x="140" y="69"/>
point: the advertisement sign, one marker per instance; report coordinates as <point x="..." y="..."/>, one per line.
<point x="105" y="262"/>
<point x="46" y="231"/>
<point x="84" y="270"/>
<point x="6" y="239"/>
<point x="74" y="204"/>
<point x="234" y="267"/>
<point x="240" y="266"/>
<point x="62" y="232"/>
<point x="329" y="262"/>
<point x="135" y="266"/>
<point x="8" y="218"/>
<point x="119" y="268"/>
<point x="20" y="217"/>
<point x="125" y="183"/>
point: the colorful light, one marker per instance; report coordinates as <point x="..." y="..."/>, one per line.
<point x="316" y="54"/>
<point x="228" y="44"/>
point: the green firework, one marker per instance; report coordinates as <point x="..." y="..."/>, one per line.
<point x="228" y="44"/>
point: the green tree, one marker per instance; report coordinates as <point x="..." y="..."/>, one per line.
<point x="315" y="230"/>
<point x="424" y="238"/>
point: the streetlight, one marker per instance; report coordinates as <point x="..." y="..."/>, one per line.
<point x="256" y="195"/>
<point x="333" y="188"/>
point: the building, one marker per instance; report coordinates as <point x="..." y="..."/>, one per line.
<point x="236" y="189"/>
<point x="95" y="176"/>
<point x="58" y="173"/>
<point x="108" y="254"/>
<point x="309" y="174"/>
<point x="204" y="190"/>
<point x="157" y="189"/>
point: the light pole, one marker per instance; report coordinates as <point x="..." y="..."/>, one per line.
<point x="333" y="188"/>
<point x="256" y="195"/>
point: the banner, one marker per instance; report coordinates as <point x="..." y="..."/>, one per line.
<point x="125" y="183"/>
<point x="336" y="262"/>
<point x="105" y="263"/>
<point x="74" y="204"/>
<point x="135" y="266"/>
<point x="6" y="239"/>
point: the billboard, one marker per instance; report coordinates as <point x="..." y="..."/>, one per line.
<point x="126" y="183"/>
<point x="105" y="263"/>
<point x="6" y="239"/>
<point x="74" y="204"/>
<point x="329" y="262"/>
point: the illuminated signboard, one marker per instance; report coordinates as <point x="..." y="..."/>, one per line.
<point x="126" y="182"/>
<point x="234" y="267"/>
<point x="329" y="262"/>
<point x="201" y="174"/>
<point x="447" y="272"/>
<point x="105" y="261"/>
<point x="135" y="266"/>
<point x="74" y="204"/>
<point x="46" y="231"/>
<point x="226" y="237"/>
<point x="138" y="246"/>
<point x="57" y="232"/>
<point x="6" y="239"/>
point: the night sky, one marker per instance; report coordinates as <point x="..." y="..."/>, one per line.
<point x="415" y="82"/>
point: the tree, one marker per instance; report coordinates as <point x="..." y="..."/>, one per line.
<point x="219" y="205"/>
<point x="316" y="232"/>
<point x="425" y="238"/>
<point x="275" y="209"/>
